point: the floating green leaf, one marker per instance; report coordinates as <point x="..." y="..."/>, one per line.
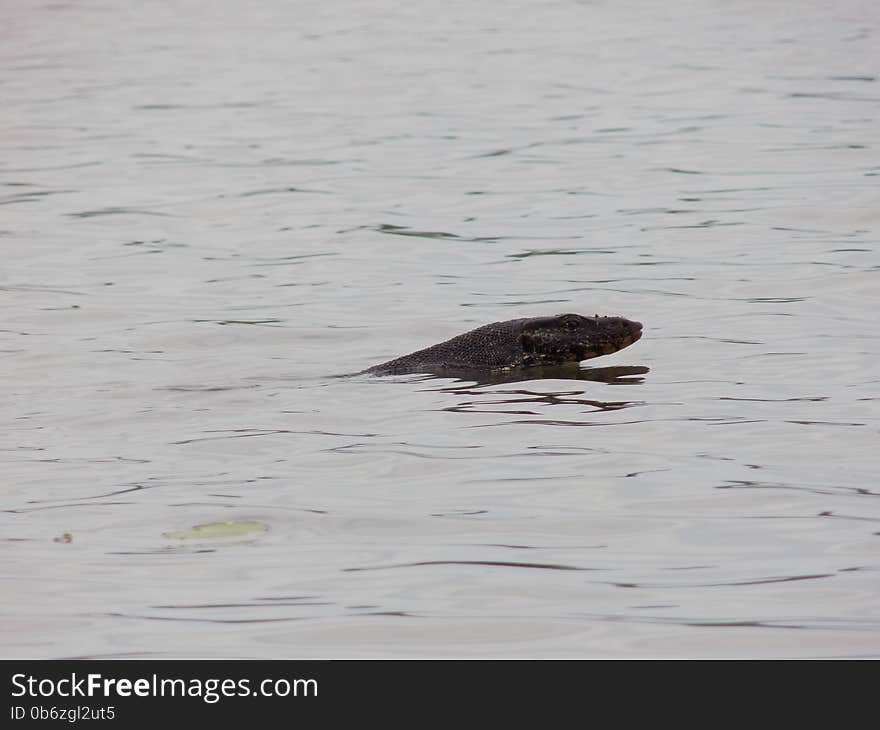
<point x="233" y="528"/>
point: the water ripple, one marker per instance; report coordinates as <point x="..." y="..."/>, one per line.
<point x="486" y="563"/>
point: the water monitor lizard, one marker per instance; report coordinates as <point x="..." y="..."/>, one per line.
<point x="520" y="343"/>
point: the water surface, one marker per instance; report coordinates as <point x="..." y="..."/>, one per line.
<point x="207" y="213"/>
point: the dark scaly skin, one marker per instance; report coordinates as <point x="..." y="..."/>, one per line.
<point x="520" y="343"/>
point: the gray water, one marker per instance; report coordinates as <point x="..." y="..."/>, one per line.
<point x="211" y="209"/>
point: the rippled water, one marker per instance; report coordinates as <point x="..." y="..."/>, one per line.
<point x="209" y="211"/>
